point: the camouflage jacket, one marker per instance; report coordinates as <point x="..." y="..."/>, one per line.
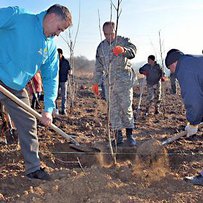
<point x="107" y="63"/>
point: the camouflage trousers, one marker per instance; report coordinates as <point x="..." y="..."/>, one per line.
<point x="121" y="112"/>
<point x="153" y="95"/>
<point x="120" y="105"/>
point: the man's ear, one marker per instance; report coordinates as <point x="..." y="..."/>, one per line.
<point x="51" y="16"/>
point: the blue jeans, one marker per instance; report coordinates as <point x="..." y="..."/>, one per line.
<point x="64" y="88"/>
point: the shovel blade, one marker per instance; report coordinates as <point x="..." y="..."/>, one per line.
<point x="85" y="148"/>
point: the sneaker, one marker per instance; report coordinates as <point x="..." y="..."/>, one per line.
<point x="39" y="174"/>
<point x="195" y="180"/>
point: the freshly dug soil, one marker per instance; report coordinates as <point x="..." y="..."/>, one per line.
<point x="93" y="177"/>
<point x="150" y="152"/>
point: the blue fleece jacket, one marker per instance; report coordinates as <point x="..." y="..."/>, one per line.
<point x="24" y="49"/>
<point x="189" y="72"/>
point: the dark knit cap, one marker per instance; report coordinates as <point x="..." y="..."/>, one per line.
<point x="152" y="57"/>
<point x="172" y="56"/>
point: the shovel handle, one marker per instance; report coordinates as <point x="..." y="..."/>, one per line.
<point x="178" y="135"/>
<point x="34" y="113"/>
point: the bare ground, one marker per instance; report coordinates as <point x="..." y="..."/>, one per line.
<point x="94" y="177"/>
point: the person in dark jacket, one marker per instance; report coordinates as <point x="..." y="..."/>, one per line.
<point x="188" y="70"/>
<point x="64" y="70"/>
<point x="153" y="73"/>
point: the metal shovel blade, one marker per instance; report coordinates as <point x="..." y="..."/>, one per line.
<point x="85" y="148"/>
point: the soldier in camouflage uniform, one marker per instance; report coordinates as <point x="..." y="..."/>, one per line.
<point x="113" y="61"/>
<point x="153" y="74"/>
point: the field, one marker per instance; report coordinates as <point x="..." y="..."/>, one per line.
<point x="94" y="177"/>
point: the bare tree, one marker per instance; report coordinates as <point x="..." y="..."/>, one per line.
<point x="108" y="68"/>
<point x="162" y="67"/>
<point x="71" y="45"/>
<point x="118" y="13"/>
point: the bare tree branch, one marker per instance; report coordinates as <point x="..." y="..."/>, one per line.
<point x="77" y="31"/>
<point x="118" y="13"/>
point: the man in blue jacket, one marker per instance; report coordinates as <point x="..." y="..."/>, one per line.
<point x="27" y="46"/>
<point x="188" y="70"/>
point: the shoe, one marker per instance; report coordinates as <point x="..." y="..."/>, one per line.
<point x="146" y="112"/>
<point x="63" y="112"/>
<point x="39" y="174"/>
<point x="195" y="180"/>
<point x="131" y="141"/>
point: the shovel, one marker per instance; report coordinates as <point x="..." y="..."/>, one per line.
<point x="74" y="144"/>
<point x="140" y="98"/>
<point x="153" y="149"/>
<point x="177" y="136"/>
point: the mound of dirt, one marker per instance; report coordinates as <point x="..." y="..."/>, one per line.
<point x="150" y="152"/>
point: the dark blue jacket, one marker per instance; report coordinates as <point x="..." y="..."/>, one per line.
<point x="189" y="72"/>
<point x="64" y="68"/>
<point x="154" y="73"/>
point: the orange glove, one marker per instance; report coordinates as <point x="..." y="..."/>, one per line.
<point x="118" y="50"/>
<point x="95" y="88"/>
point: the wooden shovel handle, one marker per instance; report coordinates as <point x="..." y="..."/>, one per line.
<point x="177" y="136"/>
<point x="34" y="113"/>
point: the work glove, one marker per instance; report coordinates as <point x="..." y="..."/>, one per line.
<point x="191" y="129"/>
<point x="145" y="73"/>
<point x="118" y="50"/>
<point x="95" y="88"/>
<point x="70" y="72"/>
